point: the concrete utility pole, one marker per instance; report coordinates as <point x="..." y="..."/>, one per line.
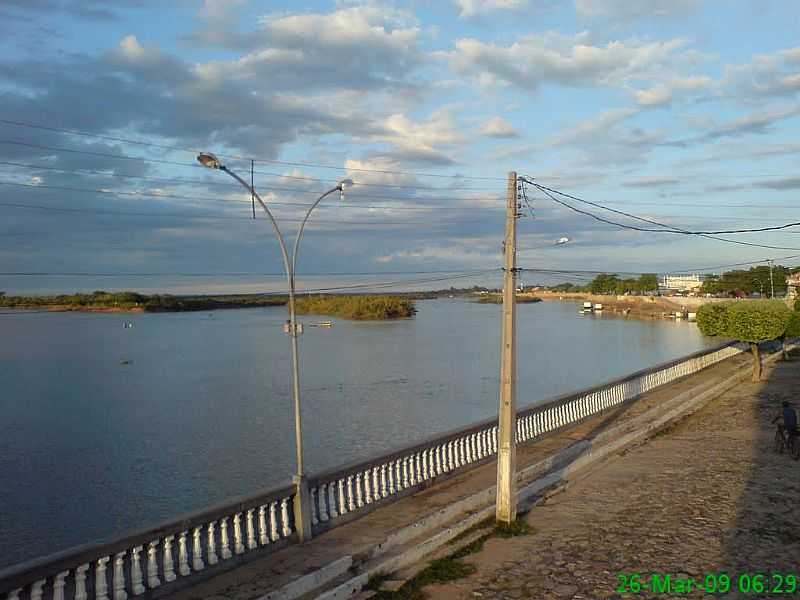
<point x="771" y="282"/>
<point x="507" y="420"/>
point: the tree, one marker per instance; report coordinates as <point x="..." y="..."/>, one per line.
<point x="605" y="283"/>
<point x="712" y="285"/>
<point x="750" y="322"/>
<point x="648" y="282"/>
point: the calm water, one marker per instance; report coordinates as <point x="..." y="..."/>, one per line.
<point x="90" y="447"/>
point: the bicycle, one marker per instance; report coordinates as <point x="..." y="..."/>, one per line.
<point x="787" y="441"/>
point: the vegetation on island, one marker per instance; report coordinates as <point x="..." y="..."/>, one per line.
<point x="743" y="282"/>
<point x="132" y="301"/>
<point x="750" y="322"/>
<point x="360" y="308"/>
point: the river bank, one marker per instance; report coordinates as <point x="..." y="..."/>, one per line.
<point x="642" y="307"/>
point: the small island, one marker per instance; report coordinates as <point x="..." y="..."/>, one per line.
<point x="358" y="308"/>
<point x="498" y="299"/>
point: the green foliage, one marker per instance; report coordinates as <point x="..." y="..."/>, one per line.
<point x="712" y="318"/>
<point x="793" y="327"/>
<point x="756" y="322"/>
<point x="606" y="283"/>
<point x="797" y="305"/>
<point x="518" y="527"/>
<point x="711" y="285"/>
<point x="753" y="280"/>
<point x="130" y="300"/>
<point x="746" y="321"/>
<point x="498" y="299"/>
<point x="357" y="307"/>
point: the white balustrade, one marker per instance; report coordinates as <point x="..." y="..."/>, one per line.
<point x="224" y="541"/>
<point x="197" y="549"/>
<point x="274" y="536"/>
<point x="375" y="484"/>
<point x="152" y="566"/>
<point x="287" y="528"/>
<point x="118" y="580"/>
<point x="183" y="555"/>
<point x="332" y="499"/>
<point x="211" y="542"/>
<point x="251" y="530"/>
<point x="342" y="495"/>
<point x="137" y="583"/>
<point x="100" y="581"/>
<point x="169" y="569"/>
<point x="37" y="589"/>
<point x="60" y="582"/>
<point x="263" y="532"/>
<point x="80" y="582"/>
<point x="238" y="546"/>
<point x="322" y="495"/>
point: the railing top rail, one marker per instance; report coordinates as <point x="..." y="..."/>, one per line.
<point x="38" y="568"/>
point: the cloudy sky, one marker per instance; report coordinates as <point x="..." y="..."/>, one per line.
<point x="681" y="111"/>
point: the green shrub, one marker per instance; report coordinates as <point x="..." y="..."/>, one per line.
<point x="712" y="318"/>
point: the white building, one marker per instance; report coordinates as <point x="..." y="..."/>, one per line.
<point x="681" y="283"/>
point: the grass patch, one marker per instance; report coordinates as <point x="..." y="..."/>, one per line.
<point x="518" y="527"/>
<point x="487" y="522"/>
<point x="498" y="299"/>
<point x="471" y="548"/>
<point x="357" y="307"/>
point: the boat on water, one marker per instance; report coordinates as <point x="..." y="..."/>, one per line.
<point x="321" y="324"/>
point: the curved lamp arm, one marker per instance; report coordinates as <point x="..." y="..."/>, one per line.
<point x="286" y="264"/>
<point x="338" y="188"/>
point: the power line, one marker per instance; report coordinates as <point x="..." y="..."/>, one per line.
<point x="233" y="274"/>
<point x="271" y="188"/>
<point x="195" y="198"/>
<point x="261" y="160"/>
<point x="666" y="228"/>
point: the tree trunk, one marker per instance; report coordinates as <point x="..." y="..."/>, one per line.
<point x="756" y="363"/>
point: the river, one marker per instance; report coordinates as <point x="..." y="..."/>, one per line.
<point x="92" y="447"/>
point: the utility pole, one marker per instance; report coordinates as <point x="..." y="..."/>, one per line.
<point x="506" y="430"/>
<point x="771" y="282"/>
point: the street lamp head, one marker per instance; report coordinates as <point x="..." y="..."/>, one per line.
<point x="344" y="183"/>
<point x="209" y="160"/>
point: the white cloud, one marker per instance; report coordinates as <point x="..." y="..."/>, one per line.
<point x="766" y="75"/>
<point x="471" y="8"/>
<point x="554" y="58"/>
<point x="665" y="92"/>
<point x="498" y="127"/>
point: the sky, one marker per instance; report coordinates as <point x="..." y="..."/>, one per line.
<point x="685" y="112"/>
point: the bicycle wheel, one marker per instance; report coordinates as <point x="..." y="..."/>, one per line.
<point x="779" y="441"/>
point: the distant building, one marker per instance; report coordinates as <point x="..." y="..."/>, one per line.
<point x="793" y="285"/>
<point x="681" y="283"/>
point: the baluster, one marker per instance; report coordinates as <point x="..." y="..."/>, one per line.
<point x="152" y="566"/>
<point x="211" y="543"/>
<point x="367" y="488"/>
<point x="224" y="542"/>
<point x="471" y="446"/>
<point x="274" y="536"/>
<point x="251" y="531"/>
<point x="322" y="495"/>
<point x="313" y="505"/>
<point x="437" y="461"/>
<point x="392" y="476"/>
<point x="458" y="453"/>
<point x="332" y="498"/>
<point x="351" y="492"/>
<point x="58" y="586"/>
<point x="343" y="495"/>
<point x="384" y="487"/>
<point x="169" y="569"/>
<point x="137" y="584"/>
<point x="427" y="466"/>
<point x="100" y="580"/>
<point x="14" y="594"/>
<point x="405" y="472"/>
<point x="197" y="549"/>
<point x="448" y="455"/>
<point x="183" y="554"/>
<point x="263" y="534"/>
<point x="238" y="546"/>
<point x="80" y="582"/>
<point x="359" y="497"/>
<point x="37" y="589"/>
<point x="376" y="484"/>
<point x="287" y="527"/>
<point x="118" y="580"/>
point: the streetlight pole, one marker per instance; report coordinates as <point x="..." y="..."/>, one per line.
<point x="771" y="282"/>
<point x="302" y="505"/>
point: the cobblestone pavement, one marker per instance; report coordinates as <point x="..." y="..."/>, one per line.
<point x="710" y="495"/>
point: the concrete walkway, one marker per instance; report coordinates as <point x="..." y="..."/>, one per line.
<point x="707" y="496"/>
<point x="359" y="537"/>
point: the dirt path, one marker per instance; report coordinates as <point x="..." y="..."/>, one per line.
<point x="708" y="496"/>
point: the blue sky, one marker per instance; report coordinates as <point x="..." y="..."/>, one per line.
<point x="682" y="111"/>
